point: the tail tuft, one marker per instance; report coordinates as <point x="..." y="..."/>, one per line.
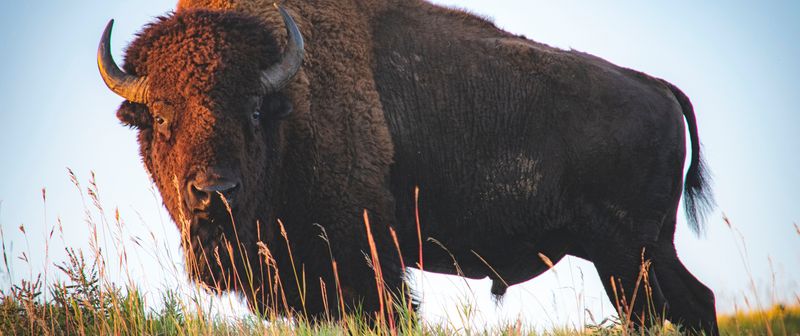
<point x="697" y="196"/>
<point x="698" y="200"/>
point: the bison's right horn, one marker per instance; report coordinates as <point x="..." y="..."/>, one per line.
<point x="130" y="87"/>
<point x="281" y="73"/>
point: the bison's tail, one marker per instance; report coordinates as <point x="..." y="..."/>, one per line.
<point x="697" y="197"/>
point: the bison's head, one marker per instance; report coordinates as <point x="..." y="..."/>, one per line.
<point x="206" y="91"/>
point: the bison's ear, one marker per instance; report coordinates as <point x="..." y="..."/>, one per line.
<point x="134" y="115"/>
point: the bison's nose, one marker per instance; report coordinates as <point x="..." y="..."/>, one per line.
<point x="204" y="189"/>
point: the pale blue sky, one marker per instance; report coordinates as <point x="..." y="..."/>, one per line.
<point x="738" y="61"/>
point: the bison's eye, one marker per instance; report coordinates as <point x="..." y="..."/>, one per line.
<point x="162" y="113"/>
<point x="255" y="108"/>
<point x="162" y="126"/>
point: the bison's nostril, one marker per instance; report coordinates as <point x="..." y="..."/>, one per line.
<point x="198" y="198"/>
<point x="225" y="191"/>
<point x="201" y="194"/>
<point x="229" y="193"/>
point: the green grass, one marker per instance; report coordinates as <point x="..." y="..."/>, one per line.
<point x="778" y="320"/>
<point x="83" y="307"/>
<point x="109" y="311"/>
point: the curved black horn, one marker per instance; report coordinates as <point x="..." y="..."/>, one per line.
<point x="129" y="87"/>
<point x="281" y="73"/>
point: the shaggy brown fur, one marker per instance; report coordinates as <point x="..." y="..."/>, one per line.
<point x="195" y="135"/>
<point x="519" y="148"/>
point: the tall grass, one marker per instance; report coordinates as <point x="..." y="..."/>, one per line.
<point x="84" y="300"/>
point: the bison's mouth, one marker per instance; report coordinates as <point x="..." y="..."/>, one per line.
<point x="220" y="212"/>
<point x="216" y="252"/>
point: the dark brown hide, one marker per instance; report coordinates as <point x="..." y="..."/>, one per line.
<point x="520" y="149"/>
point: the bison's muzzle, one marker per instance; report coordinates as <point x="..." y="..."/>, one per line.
<point x="213" y="187"/>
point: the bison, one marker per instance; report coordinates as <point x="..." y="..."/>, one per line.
<point x="288" y="144"/>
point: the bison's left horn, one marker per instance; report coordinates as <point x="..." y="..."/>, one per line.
<point x="281" y="73"/>
<point x="130" y="87"/>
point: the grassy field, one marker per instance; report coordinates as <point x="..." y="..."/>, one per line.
<point x="779" y="320"/>
<point x="83" y="306"/>
<point x="86" y="302"/>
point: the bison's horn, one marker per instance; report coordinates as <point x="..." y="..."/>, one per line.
<point x="281" y="73"/>
<point x="127" y="86"/>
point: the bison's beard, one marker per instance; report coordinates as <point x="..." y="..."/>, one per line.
<point x="222" y="251"/>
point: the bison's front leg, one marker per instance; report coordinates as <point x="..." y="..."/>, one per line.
<point x="370" y="273"/>
<point x="339" y="262"/>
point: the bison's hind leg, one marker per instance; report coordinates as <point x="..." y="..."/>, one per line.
<point x="691" y="304"/>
